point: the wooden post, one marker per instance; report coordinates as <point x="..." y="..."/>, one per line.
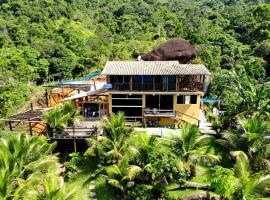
<point x="46" y="97"/>
<point x="30" y="129"/>
<point x="10" y="125"/>
<point x="31" y="106"/>
<point x="74" y="140"/>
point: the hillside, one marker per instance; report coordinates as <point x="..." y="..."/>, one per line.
<point x="47" y="40"/>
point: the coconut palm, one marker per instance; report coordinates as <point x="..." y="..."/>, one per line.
<point x="24" y="163"/>
<point x="69" y="109"/>
<point x="252" y="137"/>
<point x="252" y="186"/>
<point x="121" y="177"/>
<point x="194" y="148"/>
<point x="111" y="146"/>
<point x="52" y="190"/>
<point x="240" y="182"/>
<point x="140" y="147"/>
<point x="55" y="120"/>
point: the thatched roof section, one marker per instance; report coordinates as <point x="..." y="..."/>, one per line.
<point x="28" y="116"/>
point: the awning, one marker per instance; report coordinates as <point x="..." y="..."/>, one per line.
<point x="210" y="100"/>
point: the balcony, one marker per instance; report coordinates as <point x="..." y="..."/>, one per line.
<point x="191" y="87"/>
<point x="158" y="113"/>
<point x="160" y="87"/>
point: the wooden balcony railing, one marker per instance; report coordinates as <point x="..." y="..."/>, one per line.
<point x="159" y="112"/>
<point x="160" y="87"/>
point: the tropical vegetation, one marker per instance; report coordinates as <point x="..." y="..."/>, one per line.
<point x="43" y="41"/>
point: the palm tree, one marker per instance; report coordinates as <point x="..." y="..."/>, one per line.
<point x="194" y="148"/>
<point x="74" y="118"/>
<point x="250" y="137"/>
<point x="61" y="116"/>
<point x="121" y="176"/>
<point x="140" y="146"/>
<point x="52" y="190"/>
<point x="55" y="120"/>
<point x="24" y="163"/>
<point x="110" y="147"/>
<point x="244" y="185"/>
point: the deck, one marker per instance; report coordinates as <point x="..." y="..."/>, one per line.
<point x="159" y="113"/>
<point x="85" y="130"/>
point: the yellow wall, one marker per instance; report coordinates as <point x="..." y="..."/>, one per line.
<point x="189" y="109"/>
<point x="163" y="121"/>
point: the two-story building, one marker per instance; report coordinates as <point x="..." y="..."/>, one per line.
<point x="165" y="92"/>
<point x="160" y="93"/>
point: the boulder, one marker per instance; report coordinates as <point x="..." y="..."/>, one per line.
<point x="173" y="49"/>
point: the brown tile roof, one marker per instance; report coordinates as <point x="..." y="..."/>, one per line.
<point x="153" y="68"/>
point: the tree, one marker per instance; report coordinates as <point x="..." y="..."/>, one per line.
<point x="121" y="176"/>
<point x="26" y="164"/>
<point x="110" y="147"/>
<point x="194" y="148"/>
<point x="240" y="183"/>
<point x="55" y="120"/>
<point x="61" y="116"/>
<point x="251" y="137"/>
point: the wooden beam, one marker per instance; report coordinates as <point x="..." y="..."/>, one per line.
<point x="30" y="129"/>
<point x="10" y="125"/>
<point x="46" y="97"/>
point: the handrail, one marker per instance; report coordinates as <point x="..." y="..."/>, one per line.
<point x="187" y="115"/>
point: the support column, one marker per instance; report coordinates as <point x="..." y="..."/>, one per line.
<point x="46" y="97"/>
<point x="74" y="140"/>
<point x="10" y="125"/>
<point x="30" y="129"/>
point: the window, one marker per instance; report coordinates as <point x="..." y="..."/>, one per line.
<point x="193" y="99"/>
<point x="180" y="99"/>
<point x="187" y="99"/>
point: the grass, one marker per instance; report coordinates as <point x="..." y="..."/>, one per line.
<point x="165" y="132"/>
<point x="81" y="181"/>
<point x="202" y="177"/>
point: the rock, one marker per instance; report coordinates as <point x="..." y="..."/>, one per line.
<point x="173" y="49"/>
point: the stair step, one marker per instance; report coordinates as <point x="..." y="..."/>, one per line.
<point x="205" y="124"/>
<point x="210" y="132"/>
<point x="91" y="187"/>
<point x="206" y="128"/>
<point x="93" y="194"/>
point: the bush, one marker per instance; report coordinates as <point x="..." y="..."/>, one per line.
<point x="72" y="166"/>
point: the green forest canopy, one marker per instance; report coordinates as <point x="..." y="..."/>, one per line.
<point x="49" y="40"/>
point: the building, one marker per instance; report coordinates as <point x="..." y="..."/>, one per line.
<point x="156" y="92"/>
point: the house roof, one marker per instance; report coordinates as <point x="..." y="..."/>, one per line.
<point x="153" y="68"/>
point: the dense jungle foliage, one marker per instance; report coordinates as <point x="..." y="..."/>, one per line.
<point x="49" y="40"/>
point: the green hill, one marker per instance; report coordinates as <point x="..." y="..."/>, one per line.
<point x="48" y="40"/>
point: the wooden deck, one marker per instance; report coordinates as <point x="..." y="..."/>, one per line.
<point x="86" y="129"/>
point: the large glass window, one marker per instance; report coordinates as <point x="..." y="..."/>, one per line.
<point x="120" y="82"/>
<point x="137" y="83"/>
<point x="147" y="83"/>
<point x="171" y="83"/>
<point x="161" y="102"/>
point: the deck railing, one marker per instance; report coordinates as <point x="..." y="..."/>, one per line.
<point x="160" y="87"/>
<point x="158" y="112"/>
